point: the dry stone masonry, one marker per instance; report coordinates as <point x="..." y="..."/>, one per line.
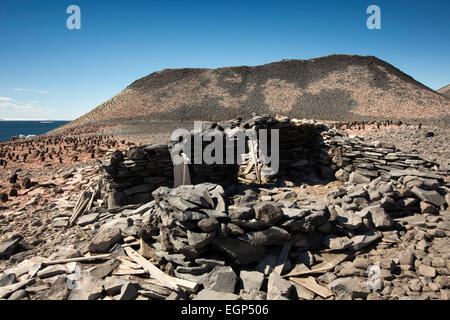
<point x="337" y="207"/>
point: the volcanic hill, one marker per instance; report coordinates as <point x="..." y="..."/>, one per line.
<point x="335" y="87"/>
<point x="445" y="91"/>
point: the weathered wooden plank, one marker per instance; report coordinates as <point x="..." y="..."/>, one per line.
<point x="153" y="270"/>
<point x="311" y="284"/>
<point x="322" y="267"/>
<point x="79" y="259"/>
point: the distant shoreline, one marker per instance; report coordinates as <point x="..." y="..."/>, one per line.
<point x="19" y="129"/>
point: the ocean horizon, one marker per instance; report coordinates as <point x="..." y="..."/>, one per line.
<point x="13" y="128"/>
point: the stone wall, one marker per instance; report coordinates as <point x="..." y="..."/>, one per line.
<point x="309" y="152"/>
<point x="358" y="161"/>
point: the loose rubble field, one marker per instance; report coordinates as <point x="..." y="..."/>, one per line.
<point x="378" y="230"/>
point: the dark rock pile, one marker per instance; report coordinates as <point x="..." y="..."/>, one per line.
<point x="130" y="178"/>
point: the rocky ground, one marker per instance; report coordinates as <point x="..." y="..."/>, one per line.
<point x="294" y="242"/>
<point x="430" y="141"/>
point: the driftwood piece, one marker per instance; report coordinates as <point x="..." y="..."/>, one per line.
<point x="77" y="213"/>
<point x="322" y="267"/>
<point x="79" y="259"/>
<point x="82" y="195"/>
<point x="311" y="284"/>
<point x="131" y="244"/>
<point x="161" y="277"/>
<point x="153" y="270"/>
<point x="129" y="264"/>
<point x="84" y="203"/>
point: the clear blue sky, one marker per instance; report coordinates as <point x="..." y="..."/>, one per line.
<point x="50" y="72"/>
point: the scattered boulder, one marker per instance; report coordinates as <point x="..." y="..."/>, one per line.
<point x="221" y="279"/>
<point x="268" y="213"/>
<point x="432" y="196"/>
<point x="59" y="289"/>
<point x="9" y="247"/>
<point x="251" y="280"/>
<point x="88" y="288"/>
<point x="270" y="236"/>
<point x="128" y="291"/>
<point x="237" y="251"/>
<point x="278" y="288"/>
<point x="105" y="239"/>
<point x="353" y="287"/>
<point x="208" y="225"/>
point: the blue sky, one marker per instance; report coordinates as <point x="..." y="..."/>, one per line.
<point x="50" y="72"/>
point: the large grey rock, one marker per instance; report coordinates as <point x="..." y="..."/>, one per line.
<point x="334" y="242"/>
<point x="362" y="240"/>
<point x="295" y="213"/>
<point x="349" y="219"/>
<point x="7" y="279"/>
<point x="268" y="213"/>
<point x="128" y="291"/>
<point x="61" y="222"/>
<point x="59" y="289"/>
<point x="278" y="288"/>
<point x="379" y="217"/>
<point x="310" y="222"/>
<point x="406" y="257"/>
<point x="52" y="271"/>
<point x="102" y="270"/>
<point x="208" y="225"/>
<point x="105" y="239"/>
<point x="88" y="288"/>
<point x="113" y="285"/>
<point x="199" y="240"/>
<point x="237" y="251"/>
<point x="270" y="236"/>
<point x="241" y="212"/>
<point x="18" y="295"/>
<point x="65" y="253"/>
<point x="413" y="172"/>
<point x="426" y="271"/>
<point x="221" y="279"/>
<point x="87" y="219"/>
<point x="9" y="247"/>
<point x="350" y="286"/>
<point x="357" y="178"/>
<point x="181" y="204"/>
<point x="431" y="196"/>
<point x="251" y="280"/>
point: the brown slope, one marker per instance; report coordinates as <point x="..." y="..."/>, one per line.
<point x="445" y="91"/>
<point x="336" y="87"/>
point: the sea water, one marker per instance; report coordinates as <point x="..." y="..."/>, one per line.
<point x="10" y="129"/>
